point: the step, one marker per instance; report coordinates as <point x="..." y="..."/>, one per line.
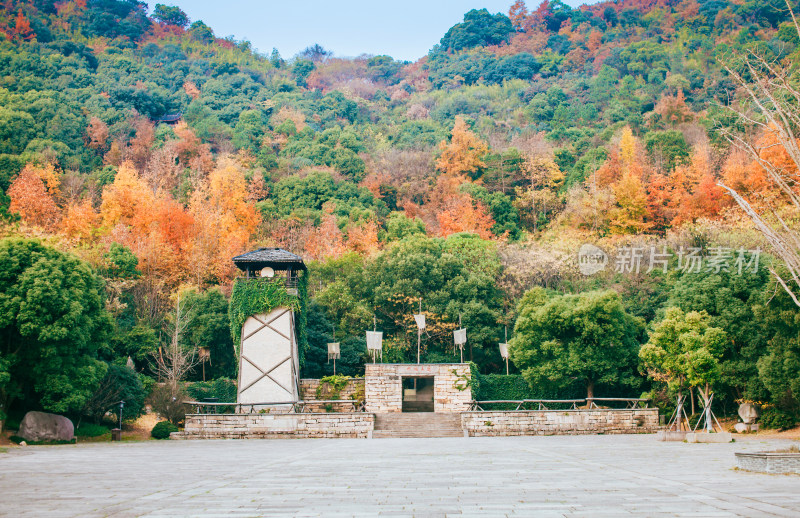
<point x="417" y="424"/>
<point x="388" y="434"/>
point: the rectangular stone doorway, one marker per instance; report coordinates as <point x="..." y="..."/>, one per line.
<point x="418" y="394"/>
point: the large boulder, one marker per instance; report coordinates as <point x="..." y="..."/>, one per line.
<point x="40" y="426"/>
<point x="749" y="413"/>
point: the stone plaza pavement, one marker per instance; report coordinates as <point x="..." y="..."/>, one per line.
<point x="588" y="476"/>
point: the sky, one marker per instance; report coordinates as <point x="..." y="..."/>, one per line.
<point x="405" y="30"/>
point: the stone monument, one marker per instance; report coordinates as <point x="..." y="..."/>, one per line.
<point x="749" y="414"/>
<point x="269" y="365"/>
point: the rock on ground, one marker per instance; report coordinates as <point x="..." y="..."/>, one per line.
<point x="41" y="426"/>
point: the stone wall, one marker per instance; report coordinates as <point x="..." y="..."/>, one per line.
<point x="384" y="385"/>
<point x="446" y="394"/>
<point x="276" y="426"/>
<point x="383" y="388"/>
<point x="308" y="393"/>
<point x="559" y="422"/>
<point x="769" y="462"/>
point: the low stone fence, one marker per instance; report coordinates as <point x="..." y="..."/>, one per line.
<point x="277" y="426"/>
<point x="308" y="393"/>
<point x="559" y="422"/>
<point x="768" y="462"/>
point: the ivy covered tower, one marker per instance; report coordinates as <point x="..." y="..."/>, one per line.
<point x="267" y="315"/>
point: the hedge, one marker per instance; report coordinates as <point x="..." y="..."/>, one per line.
<point x="493" y="387"/>
<point x="162" y="429"/>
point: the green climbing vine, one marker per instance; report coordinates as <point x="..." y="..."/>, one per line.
<point x="463" y="381"/>
<point x="250" y="297"/>
<point x="330" y="387"/>
<point x="359" y="393"/>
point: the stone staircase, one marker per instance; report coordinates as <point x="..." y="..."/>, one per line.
<point x="418" y="406"/>
<point x="417" y="424"/>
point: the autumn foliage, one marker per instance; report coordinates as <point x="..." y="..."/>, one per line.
<point x="463" y="155"/>
<point x="464" y="215"/>
<point x="31" y="199"/>
<point x="22" y="27"/>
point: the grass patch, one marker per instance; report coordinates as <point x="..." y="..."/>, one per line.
<point x="91" y="430"/>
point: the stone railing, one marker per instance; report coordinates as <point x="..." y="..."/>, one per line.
<point x="274" y="407"/>
<point x="558" y="404"/>
<point x="559" y="422"/>
<point x="276" y="426"/>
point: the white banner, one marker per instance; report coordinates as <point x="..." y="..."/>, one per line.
<point x="460" y="336"/>
<point x="504" y="351"/>
<point x="420" y="321"/>
<point x="374" y="340"/>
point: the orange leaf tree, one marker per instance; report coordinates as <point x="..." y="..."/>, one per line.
<point x="80" y="221"/>
<point x="31" y="200"/>
<point x="463" y="155"/>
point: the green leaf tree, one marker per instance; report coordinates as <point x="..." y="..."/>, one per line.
<point x="667" y="149"/>
<point x="456" y="276"/>
<point x="52" y="323"/>
<point x="170" y="15"/>
<point x="211" y="329"/>
<point x="738" y="304"/>
<point x="587" y="338"/>
<point x="779" y="364"/>
<point x="479" y="28"/>
<point x="685" y="350"/>
<point x="121" y="383"/>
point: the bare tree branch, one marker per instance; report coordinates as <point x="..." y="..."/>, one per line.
<point x="771" y="92"/>
<point x="173" y="362"/>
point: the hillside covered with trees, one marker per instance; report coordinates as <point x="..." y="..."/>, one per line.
<point x="144" y="152"/>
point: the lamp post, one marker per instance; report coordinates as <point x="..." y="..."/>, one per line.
<point x="116" y="433"/>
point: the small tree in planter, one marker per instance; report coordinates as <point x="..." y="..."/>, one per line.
<point x="685" y="351"/>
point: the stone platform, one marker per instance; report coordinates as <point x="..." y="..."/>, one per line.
<point x="356" y="425"/>
<point x="560" y="422"/>
<point x="769" y="462"/>
<point x="422" y="424"/>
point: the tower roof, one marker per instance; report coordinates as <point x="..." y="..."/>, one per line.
<point x="276" y="258"/>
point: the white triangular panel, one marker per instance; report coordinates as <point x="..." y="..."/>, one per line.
<point x="283" y="324"/>
<point x="252" y="324"/>
<point x="248" y="374"/>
